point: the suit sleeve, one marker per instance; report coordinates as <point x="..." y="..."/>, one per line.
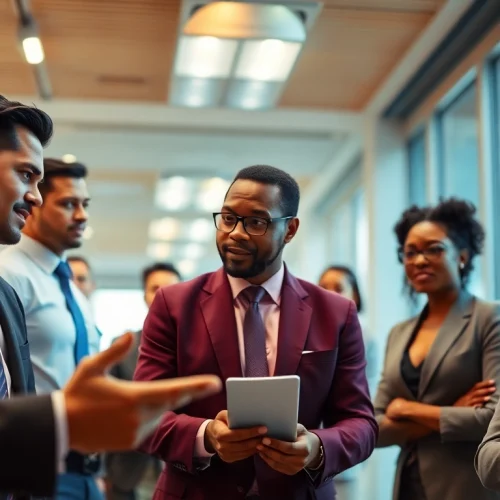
<point x="471" y="424"/>
<point x="175" y="437"/>
<point x="351" y="430"/>
<point x="28" y="454"/>
<point x="487" y="460"/>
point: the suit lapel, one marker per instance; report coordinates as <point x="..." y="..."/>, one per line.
<point x="218" y="312"/>
<point x="295" y="318"/>
<point x="14" y="362"/>
<point x="451" y="329"/>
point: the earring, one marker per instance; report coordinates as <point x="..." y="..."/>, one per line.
<point x="462" y="265"/>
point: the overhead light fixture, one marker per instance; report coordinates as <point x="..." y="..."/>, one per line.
<point x="211" y="194"/>
<point x="268" y="60"/>
<point x="201" y="230"/>
<point x="166" y="229"/>
<point x="205" y="57"/>
<point x="32" y="45"/>
<point x="229" y="47"/>
<point x="173" y="193"/>
<point x="158" y="251"/>
<point x="88" y="233"/>
<point x="69" y="158"/>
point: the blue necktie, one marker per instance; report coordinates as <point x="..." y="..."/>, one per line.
<point x="63" y="273"/>
<point x="4" y="390"/>
<point x="254" y="334"/>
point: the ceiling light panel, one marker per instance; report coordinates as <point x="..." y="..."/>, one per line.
<point x="169" y="230"/>
<point x="205" y="57"/>
<point x="196" y="92"/>
<point x="174" y="193"/>
<point x="243" y="94"/>
<point x="267" y="60"/>
<point x="211" y="194"/>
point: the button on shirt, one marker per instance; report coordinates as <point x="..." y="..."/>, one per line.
<point x="29" y="268"/>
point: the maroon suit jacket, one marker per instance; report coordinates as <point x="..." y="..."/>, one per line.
<point x="191" y="329"/>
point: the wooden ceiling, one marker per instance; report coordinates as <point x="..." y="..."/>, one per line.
<point x="124" y="49"/>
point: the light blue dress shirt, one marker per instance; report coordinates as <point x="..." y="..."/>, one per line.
<point x="29" y="268"/>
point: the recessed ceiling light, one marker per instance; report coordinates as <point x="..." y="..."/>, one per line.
<point x="69" y="158"/>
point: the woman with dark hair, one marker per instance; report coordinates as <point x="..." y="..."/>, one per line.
<point x="438" y="392"/>
<point x="342" y="280"/>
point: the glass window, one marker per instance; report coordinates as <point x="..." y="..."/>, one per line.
<point x="342" y="236"/>
<point x="361" y="240"/>
<point x="458" y="125"/>
<point x="118" y="311"/>
<point x="417" y="178"/>
<point x="459" y="148"/>
<point x="495" y="125"/>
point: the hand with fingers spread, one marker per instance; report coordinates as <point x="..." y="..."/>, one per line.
<point x="231" y="445"/>
<point x="479" y="395"/>
<point x="126" y="411"/>
<point x="291" y="458"/>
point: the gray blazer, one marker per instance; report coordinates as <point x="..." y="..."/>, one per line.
<point x="125" y="470"/>
<point x="487" y="459"/>
<point x="466" y="351"/>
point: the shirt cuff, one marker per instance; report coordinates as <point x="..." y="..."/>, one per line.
<point x="199" y="447"/>
<point x="61" y="427"/>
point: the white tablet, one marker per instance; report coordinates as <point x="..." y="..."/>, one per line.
<point x="269" y="401"/>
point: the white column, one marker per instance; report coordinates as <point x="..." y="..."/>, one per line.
<point x="385" y="182"/>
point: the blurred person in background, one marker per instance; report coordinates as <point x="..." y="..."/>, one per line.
<point x="342" y="280"/>
<point x="82" y="274"/>
<point x="58" y="317"/>
<point x="133" y="475"/>
<point x="438" y="389"/>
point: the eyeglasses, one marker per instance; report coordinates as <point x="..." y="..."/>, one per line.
<point x="431" y="254"/>
<point x="254" y="226"/>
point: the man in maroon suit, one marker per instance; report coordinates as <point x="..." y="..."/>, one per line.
<point x="254" y="318"/>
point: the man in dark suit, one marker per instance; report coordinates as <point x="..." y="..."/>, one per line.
<point x="37" y="431"/>
<point x="130" y="473"/>
<point x="254" y="318"/>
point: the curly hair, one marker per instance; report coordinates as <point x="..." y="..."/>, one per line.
<point x="458" y="218"/>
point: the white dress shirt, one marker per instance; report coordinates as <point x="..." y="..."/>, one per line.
<point x="29" y="268"/>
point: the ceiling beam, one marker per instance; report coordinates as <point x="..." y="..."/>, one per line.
<point x="137" y="115"/>
<point x="418" y="53"/>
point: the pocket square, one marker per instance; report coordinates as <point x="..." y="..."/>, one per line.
<point x="306" y="352"/>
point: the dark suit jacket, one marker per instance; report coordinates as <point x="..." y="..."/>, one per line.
<point x="191" y="329"/>
<point x="126" y="469"/>
<point x="27" y="433"/>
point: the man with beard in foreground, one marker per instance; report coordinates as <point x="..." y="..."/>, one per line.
<point x="254" y="318"/>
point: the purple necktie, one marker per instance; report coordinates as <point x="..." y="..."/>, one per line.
<point x="254" y="334"/>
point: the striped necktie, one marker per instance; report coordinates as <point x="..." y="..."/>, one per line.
<point x="4" y="390"/>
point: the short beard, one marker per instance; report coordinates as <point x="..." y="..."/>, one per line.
<point x="258" y="266"/>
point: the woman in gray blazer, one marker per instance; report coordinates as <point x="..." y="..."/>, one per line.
<point x="438" y="392"/>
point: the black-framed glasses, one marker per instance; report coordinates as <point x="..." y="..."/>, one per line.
<point x="254" y="226"/>
<point x="431" y="254"/>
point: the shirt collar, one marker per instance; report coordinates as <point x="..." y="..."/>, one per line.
<point x="40" y="254"/>
<point x="272" y="285"/>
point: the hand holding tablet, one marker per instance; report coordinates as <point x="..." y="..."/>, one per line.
<point x="272" y="402"/>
